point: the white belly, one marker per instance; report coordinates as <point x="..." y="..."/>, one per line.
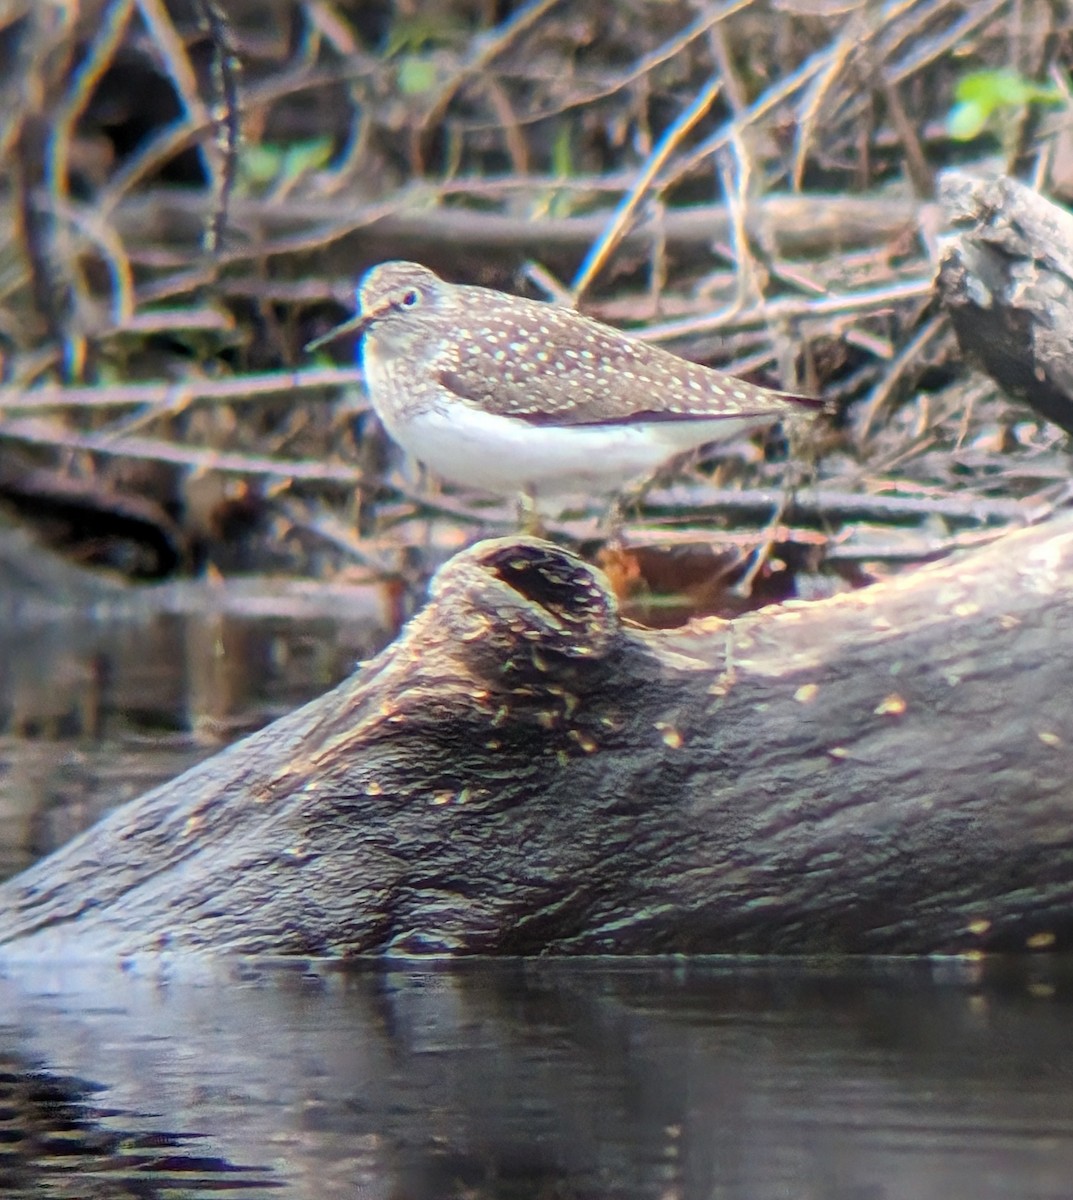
<point x="506" y="456"/>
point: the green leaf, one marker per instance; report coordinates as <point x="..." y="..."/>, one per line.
<point x="300" y="158"/>
<point x="269" y="163"/>
<point x="562" y="157"/>
<point x="409" y="35"/>
<point x="260" y="164"/>
<point x="984" y="97"/>
<point x="967" y="121"/>
<point x="417" y="75"/>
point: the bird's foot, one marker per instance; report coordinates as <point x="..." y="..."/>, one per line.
<point x="530" y="521"/>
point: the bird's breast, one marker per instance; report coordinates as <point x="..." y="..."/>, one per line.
<point x="399" y="382"/>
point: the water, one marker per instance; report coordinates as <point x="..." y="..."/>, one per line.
<point x="654" y="1080"/>
<point x="642" y="1079"/>
<point x="99" y="705"/>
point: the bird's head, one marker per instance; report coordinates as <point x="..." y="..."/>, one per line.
<point x="397" y="299"/>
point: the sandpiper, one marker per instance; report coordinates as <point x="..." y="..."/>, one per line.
<point x="523" y="398"/>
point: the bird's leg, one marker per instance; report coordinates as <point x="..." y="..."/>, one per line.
<point x="615" y="519"/>
<point x="529" y="519"/>
<point x="623" y="501"/>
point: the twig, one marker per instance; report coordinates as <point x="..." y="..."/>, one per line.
<point x="65" y="115"/>
<point x="490" y="49"/>
<point x="173" y="396"/>
<point x="892" y="376"/>
<point x="794" y="310"/>
<point x="225" y="74"/>
<point x="38" y="433"/>
<point x="800" y="224"/>
<point x="624" y="213"/>
<point x="832" y="506"/>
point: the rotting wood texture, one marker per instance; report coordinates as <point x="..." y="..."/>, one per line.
<point x="520" y="773"/>
<point x="1006" y="279"/>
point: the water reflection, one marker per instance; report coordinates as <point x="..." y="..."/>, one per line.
<point x="55" y="1139"/>
<point x="96" y="708"/>
<point x="647" y="1080"/>
<point x="542" y="1079"/>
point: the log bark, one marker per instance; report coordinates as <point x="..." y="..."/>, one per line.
<point x="1006" y="278"/>
<point x="520" y="773"/>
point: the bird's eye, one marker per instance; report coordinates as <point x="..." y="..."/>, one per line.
<point x="410" y="298"/>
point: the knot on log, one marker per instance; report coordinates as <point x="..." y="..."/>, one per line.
<point x="527" y="615"/>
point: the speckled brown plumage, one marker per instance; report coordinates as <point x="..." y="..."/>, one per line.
<point x="512" y="396"/>
<point x="544" y="364"/>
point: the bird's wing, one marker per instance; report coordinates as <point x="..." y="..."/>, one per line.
<point x="546" y="365"/>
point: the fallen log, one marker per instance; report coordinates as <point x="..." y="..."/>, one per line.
<point x="520" y="773"/>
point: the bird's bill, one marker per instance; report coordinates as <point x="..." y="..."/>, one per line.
<point x="357" y="325"/>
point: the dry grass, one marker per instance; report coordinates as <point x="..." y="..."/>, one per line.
<point x="189" y="203"/>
